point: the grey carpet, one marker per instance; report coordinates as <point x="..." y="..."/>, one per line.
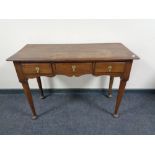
<point x="78" y="113"/>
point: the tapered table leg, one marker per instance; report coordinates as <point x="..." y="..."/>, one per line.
<point x="40" y="88"/>
<point x="110" y="87"/>
<point x="119" y="97"/>
<point x="29" y="98"/>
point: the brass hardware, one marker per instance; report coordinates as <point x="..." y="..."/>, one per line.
<point x="73" y="68"/>
<point x="109" y="68"/>
<point x="37" y="69"/>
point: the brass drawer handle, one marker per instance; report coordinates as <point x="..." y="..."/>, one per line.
<point x="37" y="69"/>
<point x="109" y="68"/>
<point x="73" y="68"/>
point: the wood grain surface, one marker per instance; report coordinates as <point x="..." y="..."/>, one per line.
<point x="73" y="52"/>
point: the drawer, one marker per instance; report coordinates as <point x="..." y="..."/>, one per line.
<point x="106" y="67"/>
<point x="37" y="68"/>
<point x="71" y="69"/>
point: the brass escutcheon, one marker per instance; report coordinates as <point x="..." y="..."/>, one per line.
<point x="109" y="68"/>
<point x="37" y="69"/>
<point x="73" y="68"/>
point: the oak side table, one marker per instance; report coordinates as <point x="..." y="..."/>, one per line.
<point x="36" y="60"/>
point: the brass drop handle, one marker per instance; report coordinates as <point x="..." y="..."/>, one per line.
<point x="37" y="69"/>
<point x="73" y="68"/>
<point x="109" y="68"/>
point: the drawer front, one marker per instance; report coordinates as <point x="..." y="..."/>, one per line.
<point x="37" y="68"/>
<point x="109" y="67"/>
<point x="71" y="69"/>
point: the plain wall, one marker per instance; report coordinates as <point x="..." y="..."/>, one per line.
<point x="137" y="35"/>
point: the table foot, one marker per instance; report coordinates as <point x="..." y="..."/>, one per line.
<point x="42" y="97"/>
<point x="115" y="115"/>
<point x="109" y="95"/>
<point x="34" y="117"/>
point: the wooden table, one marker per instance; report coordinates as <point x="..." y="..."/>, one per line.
<point x="36" y="60"/>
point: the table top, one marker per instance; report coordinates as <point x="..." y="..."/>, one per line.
<point x="73" y="52"/>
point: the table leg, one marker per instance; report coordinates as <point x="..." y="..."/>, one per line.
<point x="40" y="88"/>
<point x="110" y="86"/>
<point x="119" y="97"/>
<point x="29" y="98"/>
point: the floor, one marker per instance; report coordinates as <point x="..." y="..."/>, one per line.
<point x="74" y="113"/>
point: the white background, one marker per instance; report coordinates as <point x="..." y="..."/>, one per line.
<point x="74" y="9"/>
<point x="137" y="35"/>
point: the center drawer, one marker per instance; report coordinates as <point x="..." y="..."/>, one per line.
<point x="71" y="69"/>
<point x="37" y="68"/>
